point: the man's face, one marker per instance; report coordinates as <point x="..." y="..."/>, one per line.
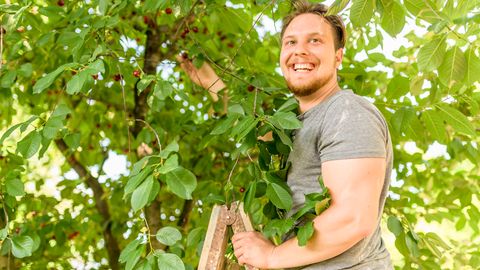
<point x="308" y="58"/>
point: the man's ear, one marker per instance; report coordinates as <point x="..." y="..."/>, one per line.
<point x="338" y="57"/>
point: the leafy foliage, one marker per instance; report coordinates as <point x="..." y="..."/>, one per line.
<point x="87" y="83"/>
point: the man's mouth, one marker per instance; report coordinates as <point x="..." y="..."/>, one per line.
<point x="303" y="67"/>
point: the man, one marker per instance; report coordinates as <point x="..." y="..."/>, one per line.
<point x="344" y="139"/>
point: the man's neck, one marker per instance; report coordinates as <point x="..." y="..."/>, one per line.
<point x="310" y="101"/>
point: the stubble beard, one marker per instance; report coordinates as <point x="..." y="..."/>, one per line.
<point x="305" y="89"/>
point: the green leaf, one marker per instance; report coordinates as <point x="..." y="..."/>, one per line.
<point x="430" y="56"/>
<point x="224" y="125"/>
<point x="402" y="120"/>
<point x="8" y="79"/>
<point x="135" y="180"/>
<point x="322" y="206"/>
<point x="14" y="187"/>
<point x="22" y="246"/>
<point x="412" y="245"/>
<point x="153" y="5"/>
<point x="453" y="68"/>
<point x="26" y="70"/>
<point x="140" y="195"/>
<point x="337" y="7"/>
<point x="361" y="12"/>
<point x="250" y="196"/>
<point x="457" y="120"/>
<point x="29" y="145"/>
<point x="244" y="126"/>
<point x="72" y="140"/>
<point x="398" y="87"/>
<point x="181" y="182"/>
<point x="3" y="234"/>
<point x="46" y="81"/>
<point x="145" y="82"/>
<point x="77" y="83"/>
<point x="394" y="225"/>
<point x="52" y="126"/>
<point x="289" y="105"/>
<point x="473" y="66"/>
<point x="393" y="19"/>
<point x="162" y="90"/>
<point x="285" y="120"/>
<point x="305" y="233"/>
<point x="284" y="138"/>
<point x="27" y="123"/>
<point x="8" y="132"/>
<point x="169" y="261"/>
<point x="279" y="196"/>
<point x="168" y="236"/>
<point x="172" y="147"/>
<point x="170" y="164"/>
<point x="195" y="236"/>
<point x="415" y="6"/>
<point x="131" y="247"/>
<point x="61" y="111"/>
<point x="434" y="123"/>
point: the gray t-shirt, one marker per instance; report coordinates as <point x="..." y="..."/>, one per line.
<point x="344" y="126"/>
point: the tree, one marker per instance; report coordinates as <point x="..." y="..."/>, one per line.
<point x="84" y="81"/>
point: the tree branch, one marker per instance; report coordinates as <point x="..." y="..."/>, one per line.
<point x="185" y="214"/>
<point x="100" y="203"/>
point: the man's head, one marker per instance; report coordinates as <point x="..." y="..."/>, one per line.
<point x="312" y="48"/>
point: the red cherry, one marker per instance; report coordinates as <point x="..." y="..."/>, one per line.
<point x="251" y="88"/>
<point x="73" y="235"/>
<point x="195" y="29"/>
<point x="125" y="151"/>
<point x="95" y="76"/>
<point x="242" y="189"/>
<point x="74" y="72"/>
<point x="117" y="77"/>
<point x="185" y="56"/>
<point x="186" y="30"/>
<point x="168" y="11"/>
<point x="136" y="73"/>
<point x="230" y="45"/>
<point x="61" y="3"/>
<point x="146" y="20"/>
<point x="109" y="126"/>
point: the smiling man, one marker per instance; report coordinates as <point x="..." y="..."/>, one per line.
<point x="344" y="139"/>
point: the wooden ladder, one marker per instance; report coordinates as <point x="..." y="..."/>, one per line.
<point x="215" y="244"/>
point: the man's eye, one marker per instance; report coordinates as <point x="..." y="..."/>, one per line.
<point x="289" y="42"/>
<point x="314" y="40"/>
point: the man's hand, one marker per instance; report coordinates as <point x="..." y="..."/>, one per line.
<point x="252" y="248"/>
<point x="204" y="76"/>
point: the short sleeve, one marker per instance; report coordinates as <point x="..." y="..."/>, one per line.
<point x="352" y="128"/>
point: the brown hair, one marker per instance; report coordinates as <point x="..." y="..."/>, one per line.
<point x="302" y="7"/>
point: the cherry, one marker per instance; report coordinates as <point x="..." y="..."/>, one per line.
<point x="168" y="11"/>
<point x="61" y="3"/>
<point x="117" y="77"/>
<point x="185" y="55"/>
<point x="95" y="76"/>
<point x="73" y="235"/>
<point x="230" y="45"/>
<point x="186" y="30"/>
<point x="136" y="73"/>
<point x="109" y="126"/>
<point x="146" y="20"/>
<point x="251" y="88"/>
<point x="195" y="29"/>
<point x="242" y="189"/>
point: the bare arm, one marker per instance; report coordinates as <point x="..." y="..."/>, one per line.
<point x="204" y="76"/>
<point x="355" y="186"/>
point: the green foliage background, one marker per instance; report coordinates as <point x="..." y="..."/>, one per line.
<point x="70" y="99"/>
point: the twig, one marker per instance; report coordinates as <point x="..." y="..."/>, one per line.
<point x="154" y="132"/>
<point x="125" y="110"/>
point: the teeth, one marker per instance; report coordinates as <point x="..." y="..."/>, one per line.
<point x="302" y="67"/>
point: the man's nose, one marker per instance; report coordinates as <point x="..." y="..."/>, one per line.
<point x="301" y="49"/>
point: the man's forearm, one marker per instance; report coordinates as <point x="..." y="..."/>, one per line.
<point x="335" y="232"/>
